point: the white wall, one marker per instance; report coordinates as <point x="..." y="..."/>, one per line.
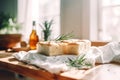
<point x="79" y="16"/>
<point x="71" y="17"/>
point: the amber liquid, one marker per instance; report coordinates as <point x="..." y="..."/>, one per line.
<point x="33" y="40"/>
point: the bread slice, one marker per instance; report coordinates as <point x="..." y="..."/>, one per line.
<point x="76" y="46"/>
<point x="49" y="48"/>
<point x="72" y="46"/>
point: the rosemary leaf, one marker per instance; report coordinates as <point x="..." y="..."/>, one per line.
<point x="50" y="23"/>
<point x="46" y="28"/>
<point x="64" y="37"/>
<point x="79" y="62"/>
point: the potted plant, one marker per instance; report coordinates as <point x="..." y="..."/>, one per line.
<point x="9" y="28"/>
<point x="46" y="29"/>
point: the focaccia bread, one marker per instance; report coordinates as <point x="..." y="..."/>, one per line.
<point x="49" y="48"/>
<point x="72" y="46"/>
<point x="76" y="46"/>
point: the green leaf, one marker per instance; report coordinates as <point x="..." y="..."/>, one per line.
<point x="64" y="37"/>
<point x="79" y="62"/>
<point x="50" y="24"/>
<point x="46" y="28"/>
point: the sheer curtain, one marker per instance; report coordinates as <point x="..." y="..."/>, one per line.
<point x="109" y="20"/>
<point x="25" y="17"/>
<point x="50" y="9"/>
<point x="38" y="10"/>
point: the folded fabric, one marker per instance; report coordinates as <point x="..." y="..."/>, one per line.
<point x="56" y="64"/>
<point x="110" y="52"/>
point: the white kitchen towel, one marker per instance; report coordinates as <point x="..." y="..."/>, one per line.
<point x="56" y="64"/>
<point x="110" y="52"/>
<point x="105" y="54"/>
<point x="53" y="64"/>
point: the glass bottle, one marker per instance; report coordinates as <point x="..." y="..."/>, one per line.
<point x="33" y="39"/>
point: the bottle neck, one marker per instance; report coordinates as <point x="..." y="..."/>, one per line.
<point x="34" y="25"/>
<point x="34" y="28"/>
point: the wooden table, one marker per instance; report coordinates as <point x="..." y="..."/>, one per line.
<point x="100" y="72"/>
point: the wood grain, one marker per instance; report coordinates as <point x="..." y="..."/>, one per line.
<point x="11" y="64"/>
<point x="98" y="43"/>
<point x="99" y="72"/>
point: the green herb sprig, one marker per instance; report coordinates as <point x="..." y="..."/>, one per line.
<point x="46" y="28"/>
<point x="64" y="37"/>
<point x="79" y="62"/>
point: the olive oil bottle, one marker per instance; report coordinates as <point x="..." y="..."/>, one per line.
<point x="33" y="39"/>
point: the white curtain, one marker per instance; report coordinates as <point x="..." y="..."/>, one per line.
<point x="24" y="17"/>
<point x="38" y="10"/>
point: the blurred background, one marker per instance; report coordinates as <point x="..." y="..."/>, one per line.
<point x="87" y="19"/>
<point x="96" y="20"/>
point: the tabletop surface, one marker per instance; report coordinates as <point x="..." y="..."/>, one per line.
<point x="100" y="72"/>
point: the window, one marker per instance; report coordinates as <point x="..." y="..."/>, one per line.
<point x="109" y="20"/>
<point x="38" y="10"/>
<point x="50" y="9"/>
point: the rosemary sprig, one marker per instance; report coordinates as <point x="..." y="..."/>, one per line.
<point x="46" y="28"/>
<point x="79" y="62"/>
<point x="47" y="25"/>
<point x="64" y="37"/>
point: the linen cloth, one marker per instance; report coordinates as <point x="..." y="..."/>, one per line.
<point x="55" y="64"/>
